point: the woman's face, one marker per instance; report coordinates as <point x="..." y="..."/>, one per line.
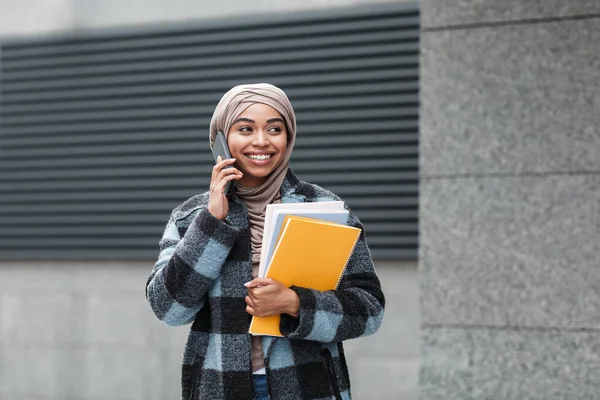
<point x="258" y="141"/>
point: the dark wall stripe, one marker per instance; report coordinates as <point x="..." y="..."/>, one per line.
<point x="103" y="133"/>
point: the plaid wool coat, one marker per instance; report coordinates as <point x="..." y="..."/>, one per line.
<point x="199" y="278"/>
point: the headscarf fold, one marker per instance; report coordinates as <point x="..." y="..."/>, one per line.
<point x="232" y="105"/>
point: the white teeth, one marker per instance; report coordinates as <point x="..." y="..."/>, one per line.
<point x="259" y="157"/>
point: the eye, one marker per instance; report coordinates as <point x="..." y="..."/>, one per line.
<point x="275" y="129"/>
<point x="244" y="129"/>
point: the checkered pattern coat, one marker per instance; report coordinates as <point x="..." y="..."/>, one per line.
<point x="199" y="278"/>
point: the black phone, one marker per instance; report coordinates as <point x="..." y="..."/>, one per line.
<point x="220" y="148"/>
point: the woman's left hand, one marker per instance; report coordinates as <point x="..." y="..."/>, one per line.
<point x="268" y="297"/>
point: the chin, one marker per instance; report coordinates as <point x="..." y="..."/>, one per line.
<point x="261" y="173"/>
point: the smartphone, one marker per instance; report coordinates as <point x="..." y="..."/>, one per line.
<point x="220" y="148"/>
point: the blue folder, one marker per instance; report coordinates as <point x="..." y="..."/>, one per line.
<point x="335" y="216"/>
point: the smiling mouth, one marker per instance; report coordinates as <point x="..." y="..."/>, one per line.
<point x="259" y="157"/>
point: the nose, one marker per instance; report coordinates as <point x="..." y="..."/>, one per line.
<point x="261" y="139"/>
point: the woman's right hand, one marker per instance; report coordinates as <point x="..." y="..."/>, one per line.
<point x="218" y="205"/>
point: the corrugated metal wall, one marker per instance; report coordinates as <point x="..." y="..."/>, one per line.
<point x="102" y="134"/>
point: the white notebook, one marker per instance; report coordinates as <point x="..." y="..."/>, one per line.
<point x="335" y="216"/>
<point x="269" y="227"/>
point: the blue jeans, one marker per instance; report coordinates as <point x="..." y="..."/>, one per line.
<point x="261" y="389"/>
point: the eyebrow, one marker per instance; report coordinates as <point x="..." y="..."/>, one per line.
<point x="269" y="121"/>
<point x="244" y="120"/>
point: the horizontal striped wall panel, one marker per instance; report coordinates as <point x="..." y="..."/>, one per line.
<point x="103" y="133"/>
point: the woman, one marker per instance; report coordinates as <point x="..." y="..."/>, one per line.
<point x="206" y="272"/>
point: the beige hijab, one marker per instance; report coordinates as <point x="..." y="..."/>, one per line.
<point x="231" y="106"/>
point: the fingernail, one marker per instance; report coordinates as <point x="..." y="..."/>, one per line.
<point x="247" y="284"/>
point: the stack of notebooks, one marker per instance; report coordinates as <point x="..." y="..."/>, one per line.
<point x="306" y="245"/>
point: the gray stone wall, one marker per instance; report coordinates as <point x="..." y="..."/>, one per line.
<point x="510" y="200"/>
<point x="84" y="331"/>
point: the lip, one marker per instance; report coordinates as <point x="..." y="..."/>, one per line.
<point x="259" y="162"/>
<point x="259" y="153"/>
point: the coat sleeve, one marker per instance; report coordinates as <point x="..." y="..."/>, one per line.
<point x="355" y="309"/>
<point x="187" y="267"/>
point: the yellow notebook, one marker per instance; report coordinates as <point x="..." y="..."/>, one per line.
<point x="309" y="253"/>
